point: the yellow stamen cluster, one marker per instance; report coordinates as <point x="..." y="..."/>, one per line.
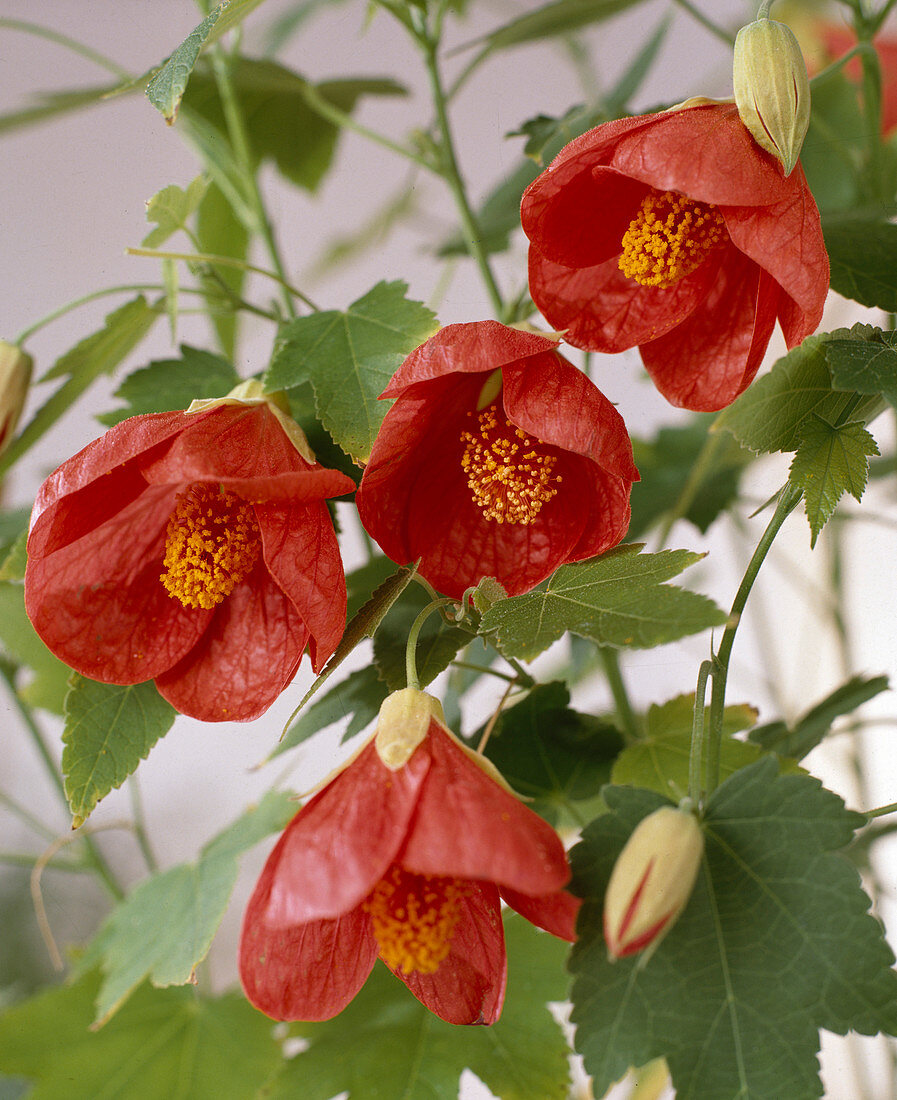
<point x="414" y="918"/>
<point x="211" y="545"/>
<point x="508" y="478"/>
<point x="669" y="238"/>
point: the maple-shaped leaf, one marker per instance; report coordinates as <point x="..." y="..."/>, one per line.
<point x="775" y="943"/>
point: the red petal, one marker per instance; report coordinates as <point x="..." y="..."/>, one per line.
<point x="247" y="656"/>
<point x="606" y="518"/>
<point x="478" y="347"/>
<point x="468" y="827"/>
<point x="469" y="986"/>
<point x="556" y="913"/>
<point x="342" y="841"/>
<point x="307" y="971"/>
<point x="99" y="605"/>
<point x="302" y="555"/>
<point x="705" y="363"/>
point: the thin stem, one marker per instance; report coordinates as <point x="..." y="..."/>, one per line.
<point x="496" y="714"/>
<point x="702" y="466"/>
<point x="876" y="21"/>
<point x="706" y="22"/>
<point x="788" y="500"/>
<point x="880" y="811"/>
<point x="239" y="139"/>
<point x="485" y="670"/>
<point x="628" y="719"/>
<point x="452" y="175"/>
<point x="225" y="261"/>
<point x="140" y="832"/>
<point x="70" y="44"/>
<point x="24" y="859"/>
<point x="123" y="288"/>
<point x="26" y="816"/>
<point x="696" y="754"/>
<point x="411" y="678"/>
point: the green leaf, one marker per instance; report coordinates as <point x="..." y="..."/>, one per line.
<point x="769" y="415"/>
<point x="659" y="761"/>
<point x="815" y="724"/>
<point x="220" y="232"/>
<point x="109" y="729"/>
<point x="349" y="358"/>
<point x="164" y="928"/>
<point x="19" y="641"/>
<point x="545" y="129"/>
<point x="167" y="87"/>
<point x="171" y="209"/>
<point x="13" y="539"/>
<point x="618" y="599"/>
<point x="233" y="14"/>
<point x="552" y="754"/>
<point x="863" y="257"/>
<point x="560" y="17"/>
<point x="864" y="359"/>
<point x="166" y="1043"/>
<point x="668" y="465"/>
<point x="829" y="462"/>
<point x="437" y="644"/>
<point x="387" y="1045"/>
<point x="170" y="384"/>
<point x="775" y="943"/>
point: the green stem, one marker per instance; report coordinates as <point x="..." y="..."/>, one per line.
<point x="788" y="500"/>
<point x="70" y="44"/>
<point x="411" y="678"/>
<point x="452" y="175"/>
<point x="94" y="856"/>
<point x="706" y="22"/>
<point x="610" y="658"/>
<point x="26" y="816"/>
<point x="140" y="825"/>
<point x="123" y="288"/>
<point x="23" y="859"/>
<point x="485" y="670"/>
<point x="876" y="21"/>
<point x="703" y="465"/>
<point x="239" y="139"/>
<point x="696" y="753"/>
<point x="880" y="811"/>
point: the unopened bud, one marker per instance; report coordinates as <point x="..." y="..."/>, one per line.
<point x="652" y="881"/>
<point x="403" y="723"/>
<point x="772" y="89"/>
<point x="15" y="378"/>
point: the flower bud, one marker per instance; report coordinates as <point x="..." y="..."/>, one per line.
<point x="772" y="90"/>
<point x="15" y="377"/>
<point x="652" y="881"/>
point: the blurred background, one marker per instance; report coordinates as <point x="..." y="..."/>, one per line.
<point x="74" y="190"/>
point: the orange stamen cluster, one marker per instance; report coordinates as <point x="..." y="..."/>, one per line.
<point x="669" y="238"/>
<point x="211" y="545"/>
<point x="414" y="918"/>
<point x="509" y="479"/>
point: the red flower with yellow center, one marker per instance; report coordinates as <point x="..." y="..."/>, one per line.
<point x="406" y="855"/>
<point x="676" y="232"/>
<point x="498" y="458"/>
<point x="194" y="549"/>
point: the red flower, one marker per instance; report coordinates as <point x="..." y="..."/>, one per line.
<point x="676" y="232"/>
<point x="498" y="458"/>
<point x="404" y="854"/>
<point x="192" y="548"/>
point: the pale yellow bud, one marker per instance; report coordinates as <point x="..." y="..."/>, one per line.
<point x="403" y="723"/>
<point x="652" y="881"/>
<point x="15" y="378"/>
<point x="772" y="89"/>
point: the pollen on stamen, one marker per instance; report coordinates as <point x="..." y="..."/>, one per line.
<point x="414" y="918"/>
<point x="669" y="238"/>
<point x="212" y="543"/>
<point x="509" y="477"/>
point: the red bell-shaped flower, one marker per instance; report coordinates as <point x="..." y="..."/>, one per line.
<point x="194" y="549"/>
<point x="498" y="458"/>
<point x="676" y="232"/>
<point x="403" y="855"/>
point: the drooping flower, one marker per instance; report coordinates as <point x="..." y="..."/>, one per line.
<point x="498" y="458"/>
<point x="404" y="854"/>
<point x="194" y="549"/>
<point x="677" y="233"/>
<point x="652" y="881"/>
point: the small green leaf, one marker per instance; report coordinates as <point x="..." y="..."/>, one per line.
<point x="166" y="1043"/>
<point x="13" y="541"/>
<point x="221" y="233"/>
<point x="768" y="416"/>
<point x="864" y="359"/>
<point x="164" y="928"/>
<point x="618" y="599"/>
<point x="18" y="640"/>
<point x="775" y="943"/>
<point x="102" y="351"/>
<point x="349" y="358"/>
<point x="167" y="87"/>
<point x="171" y="209"/>
<point x="170" y="384"/>
<point x="387" y="1045"/>
<point x="552" y="754"/>
<point x="561" y="17"/>
<point x="829" y="462"/>
<point x="109" y="729"/>
<point x="815" y="724"/>
<point x="863" y="256"/>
